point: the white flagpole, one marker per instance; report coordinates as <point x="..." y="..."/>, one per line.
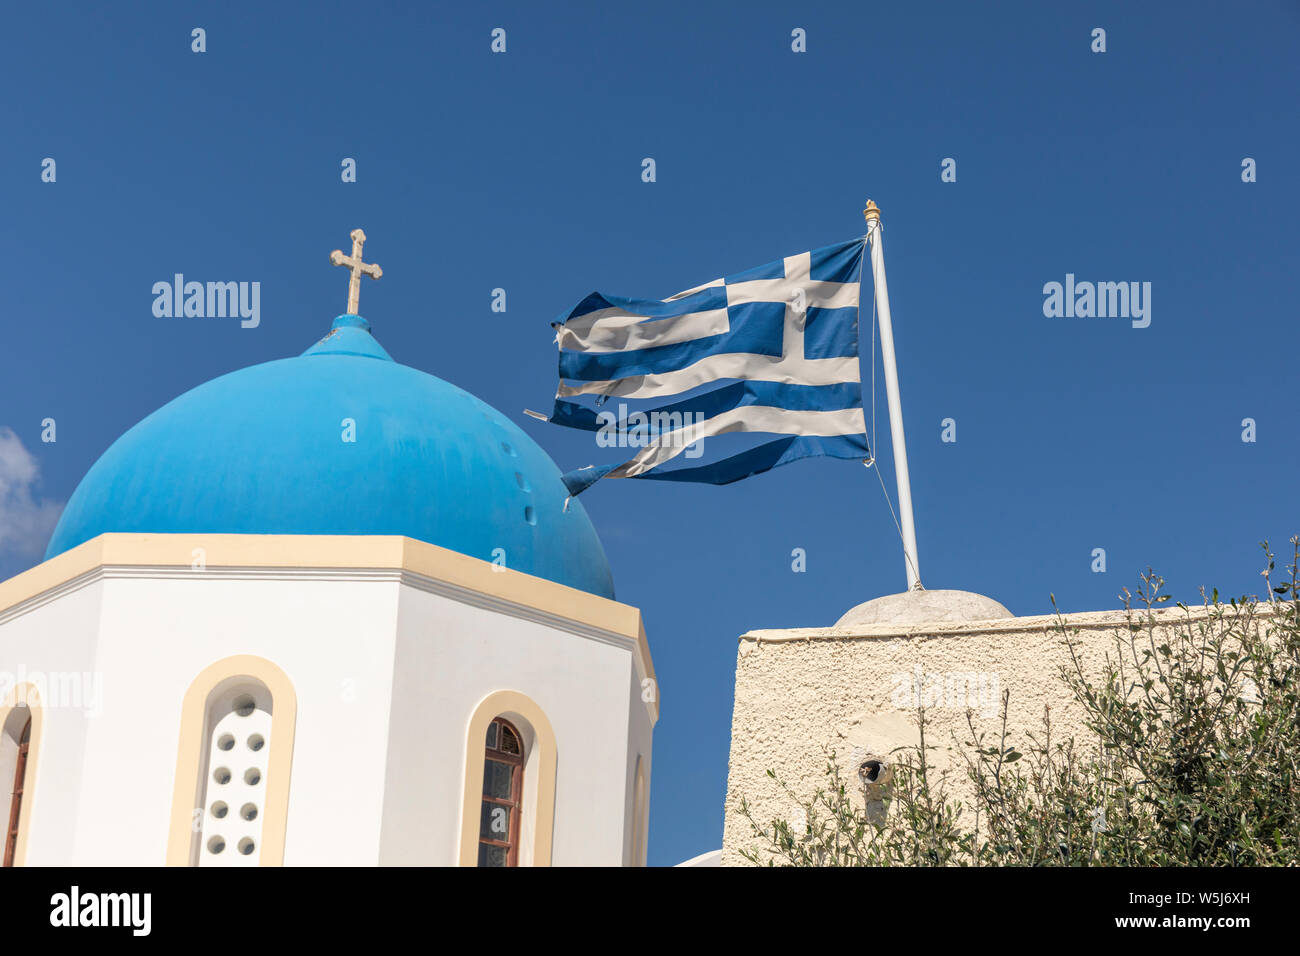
<point x="872" y="213"/>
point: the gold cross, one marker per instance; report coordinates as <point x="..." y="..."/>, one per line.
<point x="357" y="268"/>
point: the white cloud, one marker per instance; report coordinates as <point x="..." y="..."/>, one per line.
<point x="26" y="521"/>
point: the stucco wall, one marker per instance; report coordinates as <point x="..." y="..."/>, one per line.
<point x="850" y="690"/>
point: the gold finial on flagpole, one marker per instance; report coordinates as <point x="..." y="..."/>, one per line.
<point x="357" y="268"/>
<point x="871" y="212"/>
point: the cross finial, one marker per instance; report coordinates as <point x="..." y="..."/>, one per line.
<point x="357" y="268"/>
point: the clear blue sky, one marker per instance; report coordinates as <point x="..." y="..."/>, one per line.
<point x="522" y="171"/>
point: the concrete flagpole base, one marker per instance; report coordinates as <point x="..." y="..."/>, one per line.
<point x="925" y="607"/>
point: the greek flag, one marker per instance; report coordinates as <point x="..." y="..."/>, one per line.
<point x="772" y="350"/>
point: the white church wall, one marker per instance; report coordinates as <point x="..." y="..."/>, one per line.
<point x="450" y="655"/>
<point x="51" y="644"/>
<point x="331" y="637"/>
<point x="389" y="646"/>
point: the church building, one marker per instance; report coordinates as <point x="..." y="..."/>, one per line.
<point x="325" y="610"/>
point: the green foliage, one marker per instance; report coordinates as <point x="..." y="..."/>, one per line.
<point x="1191" y="759"/>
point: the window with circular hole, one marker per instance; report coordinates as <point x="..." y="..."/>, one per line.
<point x="237" y="744"/>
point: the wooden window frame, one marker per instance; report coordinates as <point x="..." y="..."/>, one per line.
<point x="16" y="800"/>
<point x="515" y="804"/>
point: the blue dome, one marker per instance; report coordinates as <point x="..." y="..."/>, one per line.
<point x="261" y="451"/>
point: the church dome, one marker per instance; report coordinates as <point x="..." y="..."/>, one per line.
<point x="264" y="450"/>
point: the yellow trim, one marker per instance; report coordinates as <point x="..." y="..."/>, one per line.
<point x="390" y="552"/>
<point x="541" y="802"/>
<point x="32" y="701"/>
<point x="194" y="721"/>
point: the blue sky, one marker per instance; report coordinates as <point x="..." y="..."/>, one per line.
<point x="522" y="171"/>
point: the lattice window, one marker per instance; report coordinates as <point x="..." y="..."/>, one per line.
<point x="503" y="783"/>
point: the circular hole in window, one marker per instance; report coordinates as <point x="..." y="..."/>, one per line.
<point x="219" y="810"/>
<point x="530" y="515"/>
<point x="243" y="705"/>
<point x="246" y="846"/>
<point x="216" y="844"/>
<point x="252" y="776"/>
<point x="248" y="811"/>
<point x="256" y="742"/>
<point x="221" y="775"/>
<point x="225" y="742"/>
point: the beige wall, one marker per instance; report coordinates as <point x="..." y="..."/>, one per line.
<point x="849" y="689"/>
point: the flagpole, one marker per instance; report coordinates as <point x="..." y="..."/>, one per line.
<point x="872" y="214"/>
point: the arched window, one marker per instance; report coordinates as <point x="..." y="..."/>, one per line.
<point x="503" y="784"/>
<point x="229" y="829"/>
<point x="231" y="798"/>
<point x="22" y="744"/>
<point x="520" y="797"/>
<point x="639" y="820"/>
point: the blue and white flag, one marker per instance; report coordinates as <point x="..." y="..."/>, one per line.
<point x="772" y="350"/>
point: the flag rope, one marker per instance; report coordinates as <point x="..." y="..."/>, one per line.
<point x="897" y="526"/>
